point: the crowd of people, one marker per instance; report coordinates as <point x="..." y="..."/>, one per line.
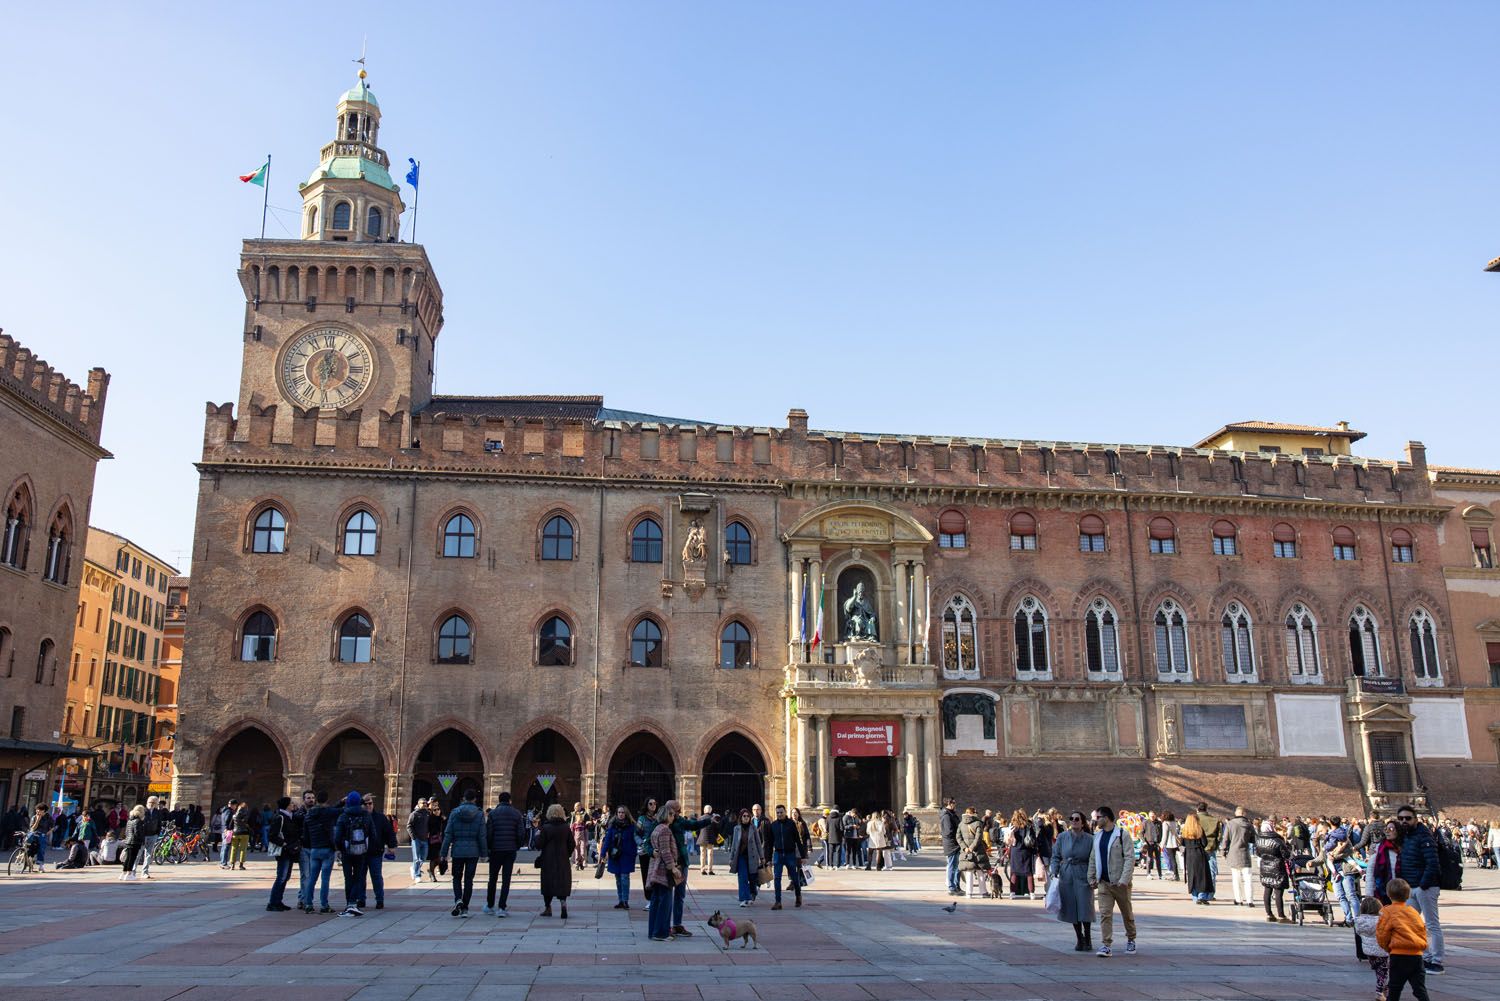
<point x="1387" y="875"/>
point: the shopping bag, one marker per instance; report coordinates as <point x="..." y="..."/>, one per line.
<point x="1052" y="902"/>
<point x="807" y="875"/>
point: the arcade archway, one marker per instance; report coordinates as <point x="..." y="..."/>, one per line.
<point x="641" y="769"/>
<point x="249" y="767"/>
<point x="547" y="771"/>
<point x="734" y="775"/>
<point x="448" y="766"/>
<point x="351" y="761"/>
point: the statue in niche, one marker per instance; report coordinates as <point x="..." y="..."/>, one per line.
<point x="695" y="549"/>
<point x="859" y="616"/>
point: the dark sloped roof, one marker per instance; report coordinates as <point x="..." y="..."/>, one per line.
<point x="577" y="408"/>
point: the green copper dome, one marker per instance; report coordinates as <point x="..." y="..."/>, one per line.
<point x="360" y="92"/>
<point x="353" y="168"/>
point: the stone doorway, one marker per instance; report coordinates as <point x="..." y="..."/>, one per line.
<point x="350" y="762"/>
<point x="865" y="784"/>
<point x="452" y="755"/>
<point x="734" y="776"/>
<point x="547" y="771"/>
<point x="641" y="770"/>
<point x="248" y="767"/>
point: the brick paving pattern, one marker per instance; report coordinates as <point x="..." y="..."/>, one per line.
<point x="198" y="932"/>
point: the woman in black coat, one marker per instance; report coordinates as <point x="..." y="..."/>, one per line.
<point x="1275" y="855"/>
<point x="130" y="844"/>
<point x="1200" y="878"/>
<point x="555" y="859"/>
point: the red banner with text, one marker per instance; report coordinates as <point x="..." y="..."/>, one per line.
<point x="866" y="739"/>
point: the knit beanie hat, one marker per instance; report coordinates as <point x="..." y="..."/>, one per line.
<point x="354" y="799"/>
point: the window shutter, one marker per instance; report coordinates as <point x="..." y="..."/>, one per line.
<point x="1161" y="528"/>
<point x="1223" y="530"/>
<point x="1091" y="524"/>
<point x="1284" y="533"/>
<point x="1479" y="535"/>
<point x="1400" y="537"/>
<point x="1022" y="523"/>
<point x="952" y="523"/>
<point x="1343" y="536"/>
<point x="1492" y="652"/>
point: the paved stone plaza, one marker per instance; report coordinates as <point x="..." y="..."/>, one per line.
<point x="195" y="932"/>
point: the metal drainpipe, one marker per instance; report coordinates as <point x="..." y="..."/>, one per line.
<point x="1140" y="641"/>
<point x="1390" y="604"/>
<point x="411" y="552"/>
<point x="598" y="614"/>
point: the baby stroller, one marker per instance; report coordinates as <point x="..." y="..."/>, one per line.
<point x="1311" y="891"/>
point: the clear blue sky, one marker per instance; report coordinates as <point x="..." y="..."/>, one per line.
<point x="1102" y="222"/>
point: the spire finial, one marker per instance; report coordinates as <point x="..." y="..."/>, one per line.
<point x="361" y="59"/>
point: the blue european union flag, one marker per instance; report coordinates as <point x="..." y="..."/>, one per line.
<point x="411" y="175"/>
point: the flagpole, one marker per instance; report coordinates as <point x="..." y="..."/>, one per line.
<point x="265" y="197"/>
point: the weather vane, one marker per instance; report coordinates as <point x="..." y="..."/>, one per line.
<point x="361" y="60"/>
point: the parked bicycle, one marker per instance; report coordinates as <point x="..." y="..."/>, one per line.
<point x="23" y="859"/>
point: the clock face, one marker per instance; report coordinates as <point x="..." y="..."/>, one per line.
<point x="325" y="367"/>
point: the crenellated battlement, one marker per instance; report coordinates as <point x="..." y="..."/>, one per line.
<point x="81" y="410"/>
<point x="654" y="451"/>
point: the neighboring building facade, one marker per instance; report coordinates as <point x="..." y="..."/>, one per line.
<point x="49" y="446"/>
<point x="417" y="594"/>
<point x="173" y="631"/>
<point x="91" y="633"/>
<point x="124" y="729"/>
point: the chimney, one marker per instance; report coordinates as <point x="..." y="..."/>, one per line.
<point x="796" y="420"/>
<point x="1342" y="425"/>
<point x="1416" y="454"/>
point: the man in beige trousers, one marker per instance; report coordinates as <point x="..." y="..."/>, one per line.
<point x="1111" y="866"/>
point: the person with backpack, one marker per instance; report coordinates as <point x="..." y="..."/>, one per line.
<point x="383" y="844"/>
<point x="284" y="837"/>
<point x="353" y="834"/>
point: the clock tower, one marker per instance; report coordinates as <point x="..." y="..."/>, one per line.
<point x="341" y="323"/>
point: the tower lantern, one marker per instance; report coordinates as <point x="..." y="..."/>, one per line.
<point x="351" y="197"/>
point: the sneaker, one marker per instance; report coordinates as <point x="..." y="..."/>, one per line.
<point x="325" y="909"/>
<point x="660" y="938"/>
<point x="380" y="905"/>
<point x="1432" y="966"/>
<point x="1103" y="952"/>
<point x="1130" y="948"/>
<point x="488" y="909"/>
<point x="681" y="932"/>
<point x="500" y="912"/>
<point x="744" y="903"/>
<point x="457" y="909"/>
<point x="463" y="912"/>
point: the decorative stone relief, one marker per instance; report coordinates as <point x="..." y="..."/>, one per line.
<point x="1169" y="744"/>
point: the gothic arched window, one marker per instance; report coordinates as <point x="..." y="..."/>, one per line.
<point x="455" y="641"/>
<point x="645" y="541"/>
<point x="1171" y="642"/>
<point x="1364" y="644"/>
<point x="268" y="535"/>
<point x="342" y="216"/>
<point x="374" y="223"/>
<point x="1031" y="638"/>
<point x="360" y="534"/>
<point x="258" y="638"/>
<point x="645" y="644"/>
<point x="960" y="639"/>
<point x="1301" y="642"/>
<point x="1236" y="643"/>
<point x="356" y="638"/>
<point x="1424" y="654"/>
<point x="1101" y="636"/>
<point x="735" y="648"/>
<point x="459" y="537"/>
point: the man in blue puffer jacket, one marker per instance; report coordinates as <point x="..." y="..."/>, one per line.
<point x="507" y="834"/>
<point x="466" y="841"/>
<point x="1420" y="867"/>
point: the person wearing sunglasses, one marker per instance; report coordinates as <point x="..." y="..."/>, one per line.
<point x="1070" y="868"/>
<point x="1419" y="866"/>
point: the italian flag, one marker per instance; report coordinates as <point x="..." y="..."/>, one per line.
<point x="818" y="616"/>
<point x="258" y="175"/>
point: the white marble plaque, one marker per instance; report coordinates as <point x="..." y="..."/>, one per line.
<point x="1440" y="728"/>
<point x="1311" y="726"/>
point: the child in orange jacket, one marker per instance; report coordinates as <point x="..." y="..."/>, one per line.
<point x="1402" y="933"/>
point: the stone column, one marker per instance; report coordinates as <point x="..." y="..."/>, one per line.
<point x="296" y="783"/>
<point x="689" y="794"/>
<point x="587" y="781"/>
<point x="392" y="801"/>
<point x="825" y="761"/>
<point x="909" y="752"/>
<point x="932" y="750"/>
<point x="801" y="794"/>
<point x="494" y="784"/>
<point x="919" y="613"/>
<point x="794" y="629"/>
<point x="903" y="634"/>
<point x="814" y="574"/>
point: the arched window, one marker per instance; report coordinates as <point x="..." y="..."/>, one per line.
<point x="17" y="526"/>
<point x="1171" y="642"/>
<point x="1479" y="521"/>
<point x="1236" y="643"/>
<point x="737" y="544"/>
<point x="554" y="645"/>
<point x="1422" y="632"/>
<point x="59" y="549"/>
<point x="645" y="541"/>
<point x="1403" y="549"/>
<point x="1284" y="542"/>
<point x="960" y="639"/>
<point x="43" y="654"/>
<point x="355" y="638"/>
<point x="1163" y="535"/>
<point x="258" y="638"/>
<point x="645" y="644"/>
<point x="1301" y="643"/>
<point x="459" y="537"/>
<point x="1031" y="638"/>
<point x="557" y="539"/>
<point x="360" y="534"/>
<point x="454" y="641"/>
<point x="953" y="530"/>
<point x="1102" y="637"/>
<point x="268" y="535"/>
<point x="312" y="221"/>
<point x="734" y="646"/>
<point x="1344" y="543"/>
<point x="1364" y="643"/>
<point x="1226" y="541"/>
<point x="1022" y="531"/>
<point x="342" y="214"/>
<point x="1091" y="534"/>
<point x="374" y="223"/>
<point x="7" y="652"/>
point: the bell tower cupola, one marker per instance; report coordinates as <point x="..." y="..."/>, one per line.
<point x="351" y="197"/>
